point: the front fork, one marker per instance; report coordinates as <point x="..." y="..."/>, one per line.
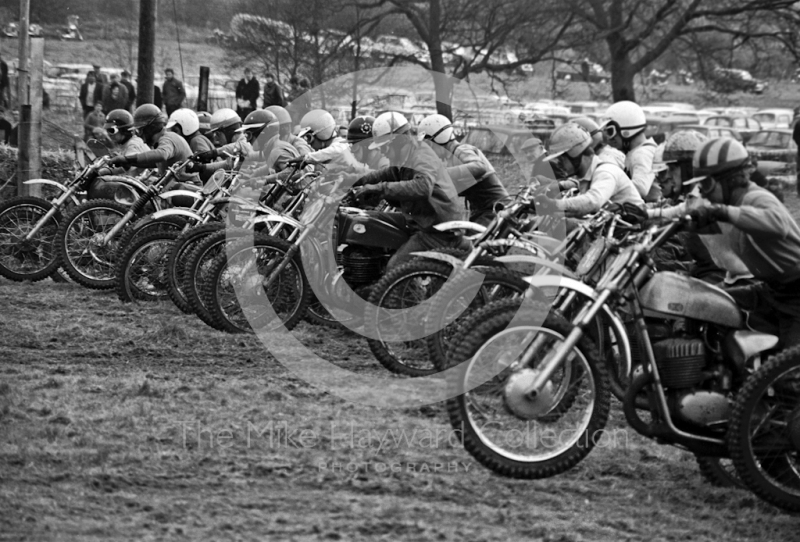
<point x="56" y="207"/>
<point x="550" y="366"/>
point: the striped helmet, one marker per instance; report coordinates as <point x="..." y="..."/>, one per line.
<point x="717" y="156"/>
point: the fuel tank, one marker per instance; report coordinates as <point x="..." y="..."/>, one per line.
<point x="669" y="293"/>
<point x="378" y="230"/>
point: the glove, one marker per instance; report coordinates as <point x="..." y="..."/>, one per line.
<point x="119" y="161"/>
<point x="705" y="216"/>
<point x="544" y="205"/>
<point x="569" y="184"/>
<point x="298" y="162"/>
<point x="367" y="194"/>
<point x="193" y="167"/>
<point x="206" y="156"/>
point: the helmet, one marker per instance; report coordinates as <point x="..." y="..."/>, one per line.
<point x="570" y="138"/>
<point x="626" y="117"/>
<point x="681" y="145"/>
<point x="318" y="123"/>
<point x="386" y="126"/>
<point x="359" y="129"/>
<point x="592" y="127"/>
<point x="260" y="118"/>
<point x="147" y="114"/>
<point x="204" y="118"/>
<point x="437" y="128"/>
<point x="223" y="118"/>
<point x="281" y="113"/>
<point x="186" y="119"/>
<point x="119" y="118"/>
<point x="717" y="156"/>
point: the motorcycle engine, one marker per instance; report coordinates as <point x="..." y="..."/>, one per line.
<point x="361" y="266"/>
<point x="680" y="361"/>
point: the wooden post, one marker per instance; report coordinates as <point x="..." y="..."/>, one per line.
<point x="147" y="52"/>
<point x="36" y="99"/>
<point x="202" y="93"/>
<point x="23" y="97"/>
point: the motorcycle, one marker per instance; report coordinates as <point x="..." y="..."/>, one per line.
<point x="531" y="369"/>
<point x="29" y="225"/>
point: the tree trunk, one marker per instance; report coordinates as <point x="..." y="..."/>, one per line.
<point x="621" y="70"/>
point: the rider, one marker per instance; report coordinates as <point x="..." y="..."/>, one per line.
<point x="764" y="234"/>
<point x="168" y="147"/>
<point x="599" y="182"/>
<point x="417" y="183"/>
<point x="624" y="130"/>
<point x="285" y="133"/>
<point x="472" y="174"/>
<point x="185" y="123"/>
<point x="320" y="131"/>
<point x="224" y="123"/>
<point x="607" y="153"/>
<point x="359" y="135"/>
<point x="118" y="127"/>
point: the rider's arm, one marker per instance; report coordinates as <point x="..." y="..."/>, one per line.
<point x="162" y="153"/>
<point x="761" y="213"/>
<point x="393" y="186"/>
<point x="640" y="165"/>
<point x="675" y="211"/>
<point x="599" y="193"/>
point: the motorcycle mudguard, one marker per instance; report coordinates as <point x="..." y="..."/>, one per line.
<point x="58" y="185"/>
<point x="177" y="212"/>
<point x="185" y="193"/>
<point x="439" y="256"/>
<point x="551" y="281"/>
<point x="521" y="258"/>
<point x="460" y="225"/>
<point x="528" y="246"/>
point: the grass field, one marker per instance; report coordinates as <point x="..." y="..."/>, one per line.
<point x="137" y="422"/>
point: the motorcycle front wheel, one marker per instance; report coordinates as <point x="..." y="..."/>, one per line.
<point x="143" y="267"/>
<point x="764" y="431"/>
<point x="499" y="424"/>
<point x="31" y="259"/>
<point x="238" y="298"/>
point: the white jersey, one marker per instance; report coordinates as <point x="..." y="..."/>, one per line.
<point x="602" y="183"/>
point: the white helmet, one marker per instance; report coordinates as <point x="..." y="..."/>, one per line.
<point x="437" y="128"/>
<point x="625" y="118"/>
<point x="570" y="138"/>
<point x="386" y="126"/>
<point x="318" y="123"/>
<point x="186" y="119"/>
<point x="223" y="118"/>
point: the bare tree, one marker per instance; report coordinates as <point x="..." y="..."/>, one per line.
<point x="638" y="32"/>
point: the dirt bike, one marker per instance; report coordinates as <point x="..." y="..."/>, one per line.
<point x="764" y="431"/>
<point x="89" y="236"/>
<point x="28" y="224"/>
<point x="529" y="369"/>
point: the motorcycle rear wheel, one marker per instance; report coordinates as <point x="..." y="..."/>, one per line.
<point x="764" y="431"/>
<point x="142" y="268"/>
<point x="486" y="411"/>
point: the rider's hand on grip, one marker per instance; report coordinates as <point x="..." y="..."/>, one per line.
<point x="119" y="161"/>
<point x="193" y="167"/>
<point x="544" y="205"/>
<point x="297" y="163"/>
<point x="206" y="156"/>
<point x="702" y="217"/>
<point x="368" y="194"/>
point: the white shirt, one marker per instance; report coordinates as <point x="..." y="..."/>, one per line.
<point x="90" y="94"/>
<point x="639" y="165"/>
<point x="338" y="155"/>
<point x="602" y="183"/>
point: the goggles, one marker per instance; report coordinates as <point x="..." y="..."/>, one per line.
<point x="612" y="129"/>
<point x="113" y="130"/>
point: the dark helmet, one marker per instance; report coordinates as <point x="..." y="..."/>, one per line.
<point x="119" y="118"/>
<point x="147" y="115"/>
<point x="258" y="119"/>
<point x="360" y="128"/>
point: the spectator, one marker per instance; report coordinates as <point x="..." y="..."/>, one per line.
<point x="115" y="95"/>
<point x="94" y="121"/>
<point x="5" y="91"/>
<point x="7" y="126"/>
<point x="247" y="92"/>
<point x="91" y="92"/>
<point x="100" y="76"/>
<point x="172" y="92"/>
<point x="301" y="104"/>
<point x="273" y="93"/>
<point x="126" y="82"/>
<point x="533" y="156"/>
<point x="294" y="90"/>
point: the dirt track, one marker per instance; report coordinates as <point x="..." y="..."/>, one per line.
<point x="140" y="423"/>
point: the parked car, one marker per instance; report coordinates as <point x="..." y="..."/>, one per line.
<point x="746" y="126"/>
<point x="498" y="139"/>
<point x="660" y="128"/>
<point x="728" y="80"/>
<point x="712" y="132"/>
<point x="774" y="150"/>
<point x="774" y="118"/>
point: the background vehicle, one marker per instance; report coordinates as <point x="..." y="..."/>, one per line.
<point x="497" y="139"/>
<point x="774" y="118"/>
<point x="746" y="126"/>
<point x="775" y="150"/>
<point x="728" y="80"/>
<point x="712" y="131"/>
<point x="660" y="128"/>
